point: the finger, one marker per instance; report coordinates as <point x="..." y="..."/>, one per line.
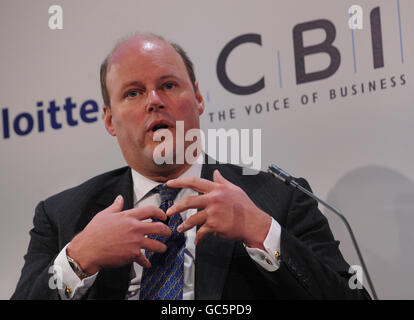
<point x="217" y="177"/>
<point x="201" y="234"/>
<point x="153" y="245"/>
<point x="143" y="261"/>
<point x="195" y="183"/>
<point x="190" y="202"/>
<point x="116" y="206"/>
<point x="194" y="220"/>
<point x="146" y="212"/>
<point x="156" y="229"/>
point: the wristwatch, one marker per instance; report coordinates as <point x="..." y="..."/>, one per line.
<point x="75" y="267"/>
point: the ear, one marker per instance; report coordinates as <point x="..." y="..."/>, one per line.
<point x="199" y="98"/>
<point x="108" y="120"/>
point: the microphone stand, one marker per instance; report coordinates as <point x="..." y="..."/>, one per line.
<point x="289" y="180"/>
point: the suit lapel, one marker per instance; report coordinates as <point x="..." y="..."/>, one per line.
<point x="213" y="255"/>
<point x="123" y="186"/>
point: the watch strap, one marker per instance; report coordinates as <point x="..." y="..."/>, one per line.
<point x="75" y="267"/>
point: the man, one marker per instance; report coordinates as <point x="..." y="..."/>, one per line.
<point x="237" y="237"/>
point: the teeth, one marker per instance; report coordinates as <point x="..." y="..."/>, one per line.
<point x="158" y="127"/>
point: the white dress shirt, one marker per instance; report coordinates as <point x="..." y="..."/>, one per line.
<point x="72" y="287"/>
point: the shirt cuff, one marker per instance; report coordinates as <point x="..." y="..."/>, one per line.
<point x="69" y="285"/>
<point x="268" y="258"/>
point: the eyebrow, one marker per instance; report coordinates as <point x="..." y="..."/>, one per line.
<point x="131" y="83"/>
<point x="139" y="83"/>
<point x="169" y="76"/>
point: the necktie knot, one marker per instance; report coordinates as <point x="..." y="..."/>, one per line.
<point x="167" y="195"/>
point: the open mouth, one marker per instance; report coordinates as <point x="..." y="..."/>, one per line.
<point x="159" y="124"/>
<point x="159" y="127"/>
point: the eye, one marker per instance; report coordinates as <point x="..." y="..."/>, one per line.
<point x="132" y="93"/>
<point x="169" y="85"/>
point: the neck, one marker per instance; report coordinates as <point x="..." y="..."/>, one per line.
<point x="165" y="172"/>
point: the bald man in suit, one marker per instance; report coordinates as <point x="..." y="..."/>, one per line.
<point x="244" y="236"/>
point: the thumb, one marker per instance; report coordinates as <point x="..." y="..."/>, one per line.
<point x="117" y="205"/>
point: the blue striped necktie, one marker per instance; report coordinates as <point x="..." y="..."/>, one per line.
<point x="164" y="280"/>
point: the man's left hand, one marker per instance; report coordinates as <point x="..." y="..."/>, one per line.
<point x="226" y="210"/>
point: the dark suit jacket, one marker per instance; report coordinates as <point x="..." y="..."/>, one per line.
<point x="311" y="265"/>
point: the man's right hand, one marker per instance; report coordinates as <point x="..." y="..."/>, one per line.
<point x="114" y="238"/>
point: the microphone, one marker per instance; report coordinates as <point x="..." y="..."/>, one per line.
<point x="289" y="180"/>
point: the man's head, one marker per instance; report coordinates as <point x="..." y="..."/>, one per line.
<point x="148" y="84"/>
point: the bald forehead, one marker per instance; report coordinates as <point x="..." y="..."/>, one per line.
<point x="140" y="45"/>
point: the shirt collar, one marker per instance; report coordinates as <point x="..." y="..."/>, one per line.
<point x="143" y="185"/>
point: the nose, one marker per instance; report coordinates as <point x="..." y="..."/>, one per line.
<point x="154" y="101"/>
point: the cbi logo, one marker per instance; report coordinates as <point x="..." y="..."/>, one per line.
<point x="300" y="52"/>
